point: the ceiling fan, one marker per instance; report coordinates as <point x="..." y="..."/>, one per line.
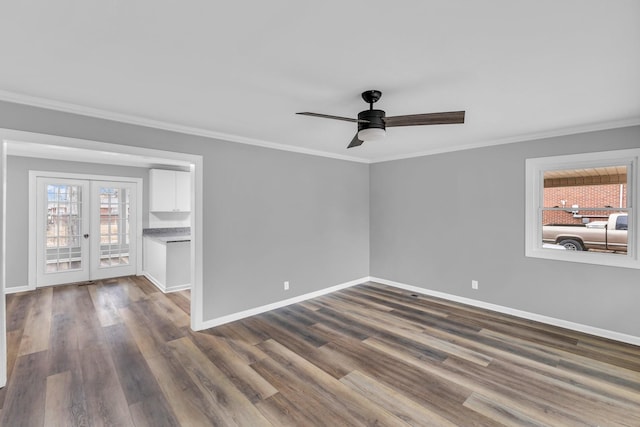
<point x="372" y="123"/>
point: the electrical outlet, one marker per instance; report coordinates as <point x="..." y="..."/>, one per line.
<point x="474" y="284"/>
<point x="286" y="285"/>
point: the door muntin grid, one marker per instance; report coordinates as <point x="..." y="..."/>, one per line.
<point x="115" y="212"/>
<point x="63" y="244"/>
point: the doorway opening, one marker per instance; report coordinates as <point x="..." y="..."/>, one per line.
<point x="29" y="144"/>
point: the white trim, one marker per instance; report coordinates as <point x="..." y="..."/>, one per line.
<point x="178" y="288"/>
<point x="264" y="308"/>
<point x="157" y="124"/>
<point x="173" y="127"/>
<point x="16" y="289"/>
<point x="3" y="267"/>
<point x="534" y="170"/>
<point x="197" y="243"/>
<point x="591" y="330"/>
<point x="614" y="124"/>
<point x="165" y="290"/>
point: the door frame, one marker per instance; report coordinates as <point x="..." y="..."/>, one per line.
<point x="33" y="217"/>
<point x="195" y="163"/>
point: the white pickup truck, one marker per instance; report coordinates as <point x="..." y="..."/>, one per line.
<point x="610" y="235"/>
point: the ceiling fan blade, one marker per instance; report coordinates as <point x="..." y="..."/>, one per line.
<point x="446" y="118"/>
<point x="328" y="116"/>
<point x="355" y="142"/>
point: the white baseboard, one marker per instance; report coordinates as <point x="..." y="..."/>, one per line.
<point x="604" y="333"/>
<point x="178" y="288"/>
<point x="257" y="310"/>
<point x="165" y="289"/>
<point x="16" y="289"/>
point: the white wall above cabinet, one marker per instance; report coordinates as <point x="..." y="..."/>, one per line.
<point x="169" y="191"/>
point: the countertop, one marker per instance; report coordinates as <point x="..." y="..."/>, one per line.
<point x="168" y="235"/>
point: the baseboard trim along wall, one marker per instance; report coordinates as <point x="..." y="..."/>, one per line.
<point x="604" y="333"/>
<point x="165" y="289"/>
<point x="16" y="289"/>
<point x="264" y="308"/>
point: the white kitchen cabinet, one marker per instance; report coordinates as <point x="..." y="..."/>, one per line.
<point x="169" y="191"/>
<point x="167" y="264"/>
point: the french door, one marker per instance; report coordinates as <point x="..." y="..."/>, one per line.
<point x="85" y="230"/>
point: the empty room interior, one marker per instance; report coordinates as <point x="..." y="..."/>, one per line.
<point x="342" y="214"/>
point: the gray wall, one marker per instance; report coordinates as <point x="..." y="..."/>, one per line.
<point x="436" y="222"/>
<point x="269" y="215"/>
<point x="439" y="221"/>
<point x="18" y="204"/>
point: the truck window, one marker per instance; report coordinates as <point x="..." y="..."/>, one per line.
<point x="621" y="222"/>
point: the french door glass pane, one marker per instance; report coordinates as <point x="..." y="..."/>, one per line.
<point x="64" y="227"/>
<point x="114" y="226"/>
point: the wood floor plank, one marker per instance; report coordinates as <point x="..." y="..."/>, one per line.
<point x="106" y="402"/>
<point x="170" y="310"/>
<point x="319" y="383"/>
<point x="569" y="396"/>
<point x="65" y="403"/>
<point x="270" y="326"/>
<point x="216" y="387"/>
<point x="25" y="403"/>
<point x="153" y="411"/>
<point x="315" y="405"/>
<point x="241" y="340"/>
<point x="13" y="345"/>
<point x="89" y="330"/>
<point x="35" y="337"/>
<point x="144" y="285"/>
<point x="148" y="343"/>
<point x="18" y="307"/>
<point x="182" y="300"/>
<point x="63" y="343"/>
<point x="504" y="414"/>
<point x="136" y="379"/>
<point x="252" y="385"/>
<point x="407" y="410"/>
<point x="282" y="412"/>
<point x="514" y="393"/>
<point x="117" y="293"/>
<point x="189" y="404"/>
<point x="132" y="290"/>
<point x="105" y="309"/>
<point x="161" y="326"/>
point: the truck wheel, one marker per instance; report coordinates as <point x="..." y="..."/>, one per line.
<point x="571" y="245"/>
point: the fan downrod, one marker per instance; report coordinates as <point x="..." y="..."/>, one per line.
<point x="371" y="96"/>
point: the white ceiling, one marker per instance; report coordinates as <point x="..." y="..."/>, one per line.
<point x="520" y="69"/>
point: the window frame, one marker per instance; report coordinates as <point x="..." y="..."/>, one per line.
<point x="535" y="168"/>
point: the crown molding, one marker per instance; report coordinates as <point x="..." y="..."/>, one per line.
<point x="81" y="110"/>
<point x="634" y="121"/>
<point x="188" y="130"/>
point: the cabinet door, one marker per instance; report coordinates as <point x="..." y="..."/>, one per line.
<point x="183" y="191"/>
<point x="162" y="190"/>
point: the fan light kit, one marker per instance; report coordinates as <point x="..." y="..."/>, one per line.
<point x="372" y="123"/>
<point x="371" y="134"/>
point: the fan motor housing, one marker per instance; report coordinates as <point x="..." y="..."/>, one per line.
<point x="375" y="119"/>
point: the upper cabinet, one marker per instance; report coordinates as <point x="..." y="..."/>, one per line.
<point x="169" y="191"/>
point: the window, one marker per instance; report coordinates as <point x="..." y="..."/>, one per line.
<point x="580" y="208"/>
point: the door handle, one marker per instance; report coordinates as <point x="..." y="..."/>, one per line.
<point x="86" y="236"/>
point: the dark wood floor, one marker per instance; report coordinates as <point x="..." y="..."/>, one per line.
<point x="119" y="352"/>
